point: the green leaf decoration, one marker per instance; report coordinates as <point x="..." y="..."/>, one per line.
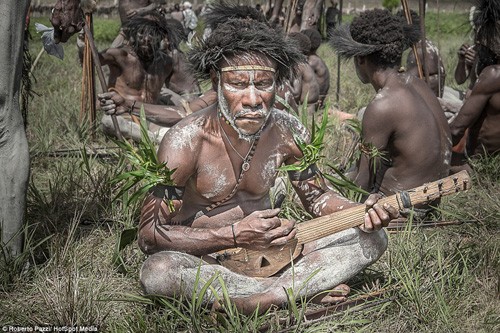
<point x="144" y="169"/>
<point x="311" y="151"/>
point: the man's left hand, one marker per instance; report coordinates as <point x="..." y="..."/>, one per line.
<point x="377" y="215"/>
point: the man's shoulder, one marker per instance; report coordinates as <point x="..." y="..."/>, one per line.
<point x="288" y="123"/>
<point x="192" y="125"/>
<point x="491" y="72"/>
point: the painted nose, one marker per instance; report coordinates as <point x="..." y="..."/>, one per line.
<point x="252" y="97"/>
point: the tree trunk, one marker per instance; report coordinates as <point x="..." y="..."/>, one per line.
<point x="14" y="155"/>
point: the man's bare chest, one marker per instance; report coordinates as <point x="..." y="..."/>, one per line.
<point x="219" y="176"/>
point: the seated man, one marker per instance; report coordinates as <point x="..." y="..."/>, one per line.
<point x="406" y="140"/>
<point x="127" y="9"/>
<point x="139" y="68"/>
<point x="317" y="64"/>
<point x="305" y="87"/>
<point x="225" y="159"/>
<point x="480" y="113"/>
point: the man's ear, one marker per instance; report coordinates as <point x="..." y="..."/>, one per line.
<point x="359" y="60"/>
<point x="214" y="79"/>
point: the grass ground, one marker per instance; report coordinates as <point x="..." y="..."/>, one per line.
<point x="438" y="280"/>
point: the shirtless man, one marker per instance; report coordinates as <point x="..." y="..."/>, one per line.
<point x="305" y="87"/>
<point x="318" y="65"/>
<point x="225" y="159"/>
<point x="433" y="66"/>
<point x="139" y="68"/>
<point x="404" y="122"/>
<point x="480" y="112"/>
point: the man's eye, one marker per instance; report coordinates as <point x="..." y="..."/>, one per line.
<point x="238" y="84"/>
<point x="264" y="85"/>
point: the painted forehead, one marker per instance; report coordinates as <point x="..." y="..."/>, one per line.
<point x="248" y="62"/>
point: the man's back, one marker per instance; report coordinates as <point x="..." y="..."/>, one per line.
<point x="405" y="120"/>
<point x="322" y="73"/>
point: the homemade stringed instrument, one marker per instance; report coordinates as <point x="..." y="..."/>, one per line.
<point x="264" y="263"/>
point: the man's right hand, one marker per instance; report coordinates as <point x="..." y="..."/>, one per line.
<point x="112" y="103"/>
<point x="467" y="53"/>
<point x="262" y="229"/>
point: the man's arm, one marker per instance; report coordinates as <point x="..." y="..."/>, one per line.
<point x="376" y="131"/>
<point x="165" y="115"/>
<point x="466" y="56"/>
<point x="486" y="85"/>
<point x="318" y="200"/>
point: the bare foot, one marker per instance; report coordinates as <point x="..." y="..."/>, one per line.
<point x="336" y="295"/>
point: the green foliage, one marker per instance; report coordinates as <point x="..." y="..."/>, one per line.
<point x="390" y="4"/>
<point x="311" y="151"/>
<point x="146" y="172"/>
<point x="105" y="30"/>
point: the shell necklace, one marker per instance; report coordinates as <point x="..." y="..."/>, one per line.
<point x="246" y="160"/>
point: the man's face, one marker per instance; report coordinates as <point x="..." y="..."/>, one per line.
<point x="146" y="45"/>
<point x="246" y="93"/>
<point x="359" y="66"/>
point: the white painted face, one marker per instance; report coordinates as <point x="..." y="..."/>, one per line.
<point x="246" y="94"/>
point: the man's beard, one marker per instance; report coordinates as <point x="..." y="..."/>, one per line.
<point x="224" y="109"/>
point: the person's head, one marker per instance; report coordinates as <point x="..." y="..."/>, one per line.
<point x="150" y="35"/>
<point x="177" y="7"/>
<point x="314" y="38"/>
<point x="486" y="20"/>
<point x="245" y="60"/>
<point x="302" y="41"/>
<point x="377" y="36"/>
<point x="187" y="4"/>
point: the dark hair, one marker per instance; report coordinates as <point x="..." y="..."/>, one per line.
<point x="377" y="34"/>
<point x="154" y="24"/>
<point x="240" y="37"/>
<point x="487" y="24"/>
<point x="221" y="11"/>
<point x="302" y="41"/>
<point x="314" y="38"/>
<point x="380" y="27"/>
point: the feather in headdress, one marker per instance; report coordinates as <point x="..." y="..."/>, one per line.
<point x="346" y="47"/>
<point x="221" y="11"/>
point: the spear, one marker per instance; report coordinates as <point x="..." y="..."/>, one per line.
<point x="406" y="10"/>
<point x="100" y="74"/>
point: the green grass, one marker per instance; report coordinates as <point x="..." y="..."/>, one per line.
<point x="441" y="279"/>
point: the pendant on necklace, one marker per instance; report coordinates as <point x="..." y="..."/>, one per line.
<point x="245" y="166"/>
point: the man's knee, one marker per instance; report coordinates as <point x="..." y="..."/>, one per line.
<point x="373" y="244"/>
<point x="160" y="274"/>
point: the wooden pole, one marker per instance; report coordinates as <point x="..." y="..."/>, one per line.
<point x="337" y="95"/>
<point x="290" y="15"/>
<point x="406" y="10"/>
<point x="421" y="8"/>
<point x="88" y="84"/>
<point x="100" y="74"/>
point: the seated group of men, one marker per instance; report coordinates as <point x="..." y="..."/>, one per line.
<point x="226" y="152"/>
